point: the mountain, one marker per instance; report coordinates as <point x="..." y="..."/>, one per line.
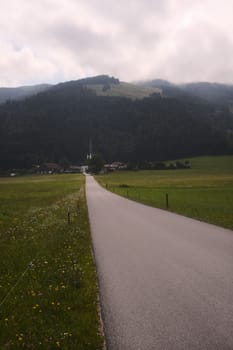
<point x="217" y="94"/>
<point x="57" y="124"/>
<point x="167" y="88"/>
<point x="21" y="92"/>
<point x="104" y="85"/>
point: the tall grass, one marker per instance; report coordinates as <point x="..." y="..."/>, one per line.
<point x="48" y="289"/>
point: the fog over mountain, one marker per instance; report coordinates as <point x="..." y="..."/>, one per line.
<point x="21" y="92"/>
<point x="215" y="93"/>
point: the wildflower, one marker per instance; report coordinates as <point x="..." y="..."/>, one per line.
<point x="19" y="336"/>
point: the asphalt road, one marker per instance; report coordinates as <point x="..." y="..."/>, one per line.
<point x="166" y="281"/>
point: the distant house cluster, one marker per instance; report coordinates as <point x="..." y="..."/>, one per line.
<point x="55" y="168"/>
<point x="115" y="166"/>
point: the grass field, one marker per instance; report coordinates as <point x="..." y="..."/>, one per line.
<point x="125" y="90"/>
<point x="204" y="192"/>
<point x="48" y="291"/>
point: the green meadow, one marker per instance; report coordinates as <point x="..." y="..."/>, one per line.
<point x="204" y="192"/>
<point x="124" y="90"/>
<point x="48" y="282"/>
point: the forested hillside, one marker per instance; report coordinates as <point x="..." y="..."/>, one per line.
<point x="57" y="124"/>
<point x="214" y="93"/>
<point x="21" y="92"/>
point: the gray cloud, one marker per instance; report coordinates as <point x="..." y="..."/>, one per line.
<point x="55" y="40"/>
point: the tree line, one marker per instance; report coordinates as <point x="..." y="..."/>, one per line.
<point x="58" y="123"/>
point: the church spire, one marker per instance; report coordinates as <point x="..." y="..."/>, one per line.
<point x="89" y="156"/>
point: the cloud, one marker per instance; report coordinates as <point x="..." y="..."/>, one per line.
<point x="203" y="54"/>
<point x="21" y="66"/>
<point x="55" y="40"/>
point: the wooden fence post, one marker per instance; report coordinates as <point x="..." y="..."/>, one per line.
<point x="68" y="216"/>
<point x="167" y="203"/>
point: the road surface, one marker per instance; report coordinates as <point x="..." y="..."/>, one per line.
<point x="166" y="281"/>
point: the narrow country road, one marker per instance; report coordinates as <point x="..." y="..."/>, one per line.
<point x="166" y="281"/>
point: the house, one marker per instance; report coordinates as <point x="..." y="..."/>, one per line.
<point x="50" y="168"/>
<point x="115" y="166"/>
<point x="74" y="169"/>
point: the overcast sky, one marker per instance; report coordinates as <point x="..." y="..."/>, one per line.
<point x="58" y="40"/>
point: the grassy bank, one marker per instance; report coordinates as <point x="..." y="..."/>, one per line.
<point x="48" y="292"/>
<point x="204" y="192"/>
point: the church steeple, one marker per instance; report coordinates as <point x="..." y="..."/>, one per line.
<point x="89" y="156"/>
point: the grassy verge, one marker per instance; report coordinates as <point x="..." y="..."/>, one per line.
<point x="204" y="192"/>
<point x="48" y="291"/>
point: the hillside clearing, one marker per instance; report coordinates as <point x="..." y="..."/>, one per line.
<point x="124" y="90"/>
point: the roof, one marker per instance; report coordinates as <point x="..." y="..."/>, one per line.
<point x="52" y="165"/>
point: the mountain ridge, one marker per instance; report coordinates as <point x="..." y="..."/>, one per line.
<point x="21" y="92"/>
<point x="57" y="124"/>
<point x="103" y="85"/>
<point x="216" y="93"/>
